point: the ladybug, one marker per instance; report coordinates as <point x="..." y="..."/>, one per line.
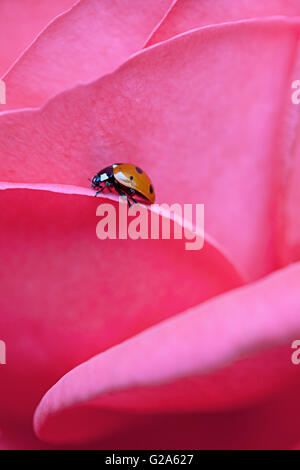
<point x="127" y="180"/>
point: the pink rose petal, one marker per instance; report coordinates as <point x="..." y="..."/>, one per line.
<point x="190" y="14"/>
<point x="272" y="424"/>
<point x="289" y="151"/>
<point x="180" y="102"/>
<point x="19" y="436"/>
<point x="165" y="367"/>
<point x="21" y="22"/>
<point x="66" y="295"/>
<point x="87" y="42"/>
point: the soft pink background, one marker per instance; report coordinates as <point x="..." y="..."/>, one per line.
<point x="141" y="344"/>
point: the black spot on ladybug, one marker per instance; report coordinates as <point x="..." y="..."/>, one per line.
<point x="131" y="177"/>
<point x="151" y="189"/>
<point x="138" y="170"/>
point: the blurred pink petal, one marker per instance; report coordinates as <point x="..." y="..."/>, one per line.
<point x="289" y="151"/>
<point x="66" y="295"/>
<point x="190" y="14"/>
<point x="272" y="424"/>
<point x="87" y="42"/>
<point x="161" y="368"/>
<point x="217" y="124"/>
<point x="19" y="436"/>
<point x="21" y="22"/>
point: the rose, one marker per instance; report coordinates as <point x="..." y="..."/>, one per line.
<point x="206" y="361"/>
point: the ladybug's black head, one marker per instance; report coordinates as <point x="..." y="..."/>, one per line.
<point x="102" y="176"/>
<point x="96" y="181"/>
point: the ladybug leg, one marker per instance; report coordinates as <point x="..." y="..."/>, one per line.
<point x="99" y="191"/>
<point x="129" y="193"/>
<point x="106" y="185"/>
<point x="133" y="200"/>
<point x="132" y="193"/>
<point x="128" y="200"/>
<point x="119" y="191"/>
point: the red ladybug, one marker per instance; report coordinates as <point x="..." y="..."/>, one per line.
<point x="128" y="180"/>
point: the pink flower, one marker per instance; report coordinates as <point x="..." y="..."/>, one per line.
<point x="142" y="344"/>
